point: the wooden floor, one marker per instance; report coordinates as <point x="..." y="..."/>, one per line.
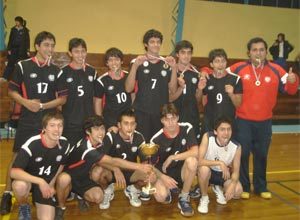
<point x="283" y="182"/>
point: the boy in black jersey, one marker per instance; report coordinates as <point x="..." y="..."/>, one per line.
<point x="177" y="159"/>
<point x="83" y="156"/>
<point x="37" y="165"/>
<point x="124" y="144"/>
<point x="111" y="98"/>
<point x="78" y="77"/>
<point x="188" y="94"/>
<point x="223" y="91"/>
<point x="152" y="77"/>
<point x="34" y="86"/>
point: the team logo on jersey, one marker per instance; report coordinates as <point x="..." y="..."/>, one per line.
<point x="194" y="80"/>
<point x="51" y="77"/>
<point x="70" y="79"/>
<point x="247" y="76"/>
<point x="146" y="71"/>
<point x="118" y="146"/>
<point x="163" y="73"/>
<point x="168" y="149"/>
<point x="33" y="75"/>
<point x="210" y="88"/>
<point x="134" y="149"/>
<point x="38" y="159"/>
<point x="111" y="88"/>
<point x="58" y="158"/>
<point x="183" y="141"/>
<point x="267" y="79"/>
<point x="91" y="78"/>
<point x="146" y="63"/>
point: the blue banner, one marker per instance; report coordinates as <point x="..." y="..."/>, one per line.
<point x="2" y="41"/>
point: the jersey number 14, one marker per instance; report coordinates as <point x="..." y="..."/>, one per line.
<point x="46" y="171"/>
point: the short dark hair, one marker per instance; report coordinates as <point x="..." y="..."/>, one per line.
<point x="56" y="114"/>
<point x="129" y="113"/>
<point x="21" y="20"/>
<point x="75" y="42"/>
<point x="92" y="121"/>
<point x="184" y="44"/>
<point x="152" y="33"/>
<point x="282" y="35"/>
<point x="220" y="120"/>
<point x="40" y="37"/>
<point x="169" y="108"/>
<point x="255" y="41"/>
<point x="113" y="52"/>
<point x="219" y="52"/>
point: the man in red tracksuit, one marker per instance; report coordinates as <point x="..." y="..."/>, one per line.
<point x="261" y="81"/>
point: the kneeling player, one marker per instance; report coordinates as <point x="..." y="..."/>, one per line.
<point x="177" y="158"/>
<point x="36" y="167"/>
<point x="123" y="144"/>
<point x="219" y="164"/>
<point x="87" y="153"/>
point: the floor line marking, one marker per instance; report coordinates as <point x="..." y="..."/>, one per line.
<point x="285" y="201"/>
<point x="288" y="188"/>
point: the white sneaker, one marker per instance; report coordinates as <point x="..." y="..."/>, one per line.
<point x="133" y="194"/>
<point x="107" y="197"/>
<point x="219" y="194"/>
<point x="203" y="205"/>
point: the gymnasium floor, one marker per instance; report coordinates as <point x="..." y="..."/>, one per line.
<point x="283" y="182"/>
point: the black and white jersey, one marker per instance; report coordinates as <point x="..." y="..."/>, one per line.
<point x="184" y="140"/>
<point x="218" y="101"/>
<point x="152" y="89"/>
<point x="80" y="85"/>
<point x="33" y="81"/>
<point x="221" y="153"/>
<point x="186" y="103"/>
<point x="82" y="157"/>
<point x="39" y="160"/>
<point x="124" y="149"/>
<point x="112" y="92"/>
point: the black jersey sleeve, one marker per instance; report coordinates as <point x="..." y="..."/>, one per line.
<point x="22" y="159"/>
<point x="94" y="156"/>
<point x="99" y="88"/>
<point x="238" y="89"/>
<point x="17" y="78"/>
<point x="191" y="138"/>
<point x="62" y="87"/>
<point x="107" y="143"/>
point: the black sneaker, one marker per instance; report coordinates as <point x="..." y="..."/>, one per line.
<point x="24" y="212"/>
<point x="185" y="207"/>
<point x="6" y="203"/>
<point x="195" y="193"/>
<point x="59" y="213"/>
<point x="168" y="199"/>
<point x="144" y="196"/>
<point x="83" y="205"/>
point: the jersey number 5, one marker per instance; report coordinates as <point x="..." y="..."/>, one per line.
<point x="80" y="91"/>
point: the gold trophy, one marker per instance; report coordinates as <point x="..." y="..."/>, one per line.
<point x="149" y="150"/>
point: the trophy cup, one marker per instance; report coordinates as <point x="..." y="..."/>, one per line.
<point x="149" y="150"/>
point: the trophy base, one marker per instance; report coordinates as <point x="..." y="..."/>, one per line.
<point x="148" y="190"/>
